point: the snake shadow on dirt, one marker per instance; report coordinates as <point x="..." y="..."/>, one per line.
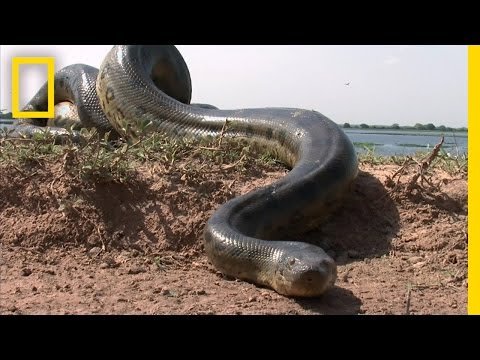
<point x="361" y="228"/>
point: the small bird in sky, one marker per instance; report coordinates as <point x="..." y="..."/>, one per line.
<point x="346" y="84"/>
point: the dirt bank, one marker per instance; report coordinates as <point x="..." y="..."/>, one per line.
<point x="77" y="247"/>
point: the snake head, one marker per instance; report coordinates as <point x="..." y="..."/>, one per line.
<point x="304" y="270"/>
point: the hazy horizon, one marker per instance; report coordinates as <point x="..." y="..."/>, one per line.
<point x="375" y="85"/>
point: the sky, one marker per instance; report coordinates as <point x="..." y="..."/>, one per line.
<point x="403" y="84"/>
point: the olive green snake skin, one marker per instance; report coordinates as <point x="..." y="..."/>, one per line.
<point x="246" y="237"/>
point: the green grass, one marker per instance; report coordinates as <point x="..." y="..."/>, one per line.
<point x="452" y="163"/>
<point x="413" y="145"/>
<point x="366" y="144"/>
<point x="447" y="145"/>
<point x="99" y="160"/>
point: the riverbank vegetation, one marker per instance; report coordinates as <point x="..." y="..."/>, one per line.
<point x="418" y="126"/>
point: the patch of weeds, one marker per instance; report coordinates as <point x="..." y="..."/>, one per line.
<point x="372" y="158"/>
<point x="25" y="150"/>
<point x="99" y="160"/>
<point x="449" y="161"/>
<point x="366" y="145"/>
<point x="452" y="163"/>
<point x="68" y="205"/>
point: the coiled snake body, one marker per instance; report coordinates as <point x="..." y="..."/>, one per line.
<point x="244" y="237"/>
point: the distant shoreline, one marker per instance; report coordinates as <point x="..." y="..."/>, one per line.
<point x="406" y="131"/>
<point x="396" y="127"/>
<point x="422" y="127"/>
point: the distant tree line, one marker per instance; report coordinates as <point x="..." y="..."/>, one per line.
<point x="395" y="126"/>
<point x="4" y="115"/>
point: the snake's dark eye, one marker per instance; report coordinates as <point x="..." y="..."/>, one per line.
<point x="291" y="261"/>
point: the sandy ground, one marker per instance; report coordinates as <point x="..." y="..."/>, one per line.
<point x="70" y="247"/>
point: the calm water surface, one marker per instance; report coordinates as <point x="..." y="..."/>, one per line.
<point x="403" y="142"/>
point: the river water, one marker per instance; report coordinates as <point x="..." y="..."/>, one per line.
<point x="404" y="142"/>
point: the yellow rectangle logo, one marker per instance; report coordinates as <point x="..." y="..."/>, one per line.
<point x="473" y="178"/>
<point x="16" y="62"/>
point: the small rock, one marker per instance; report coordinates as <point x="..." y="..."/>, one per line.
<point x="111" y="263"/>
<point x="49" y="271"/>
<point x="201" y="292"/>
<point x="120" y="299"/>
<point x="414" y="259"/>
<point x="265" y="294"/>
<point x="136" y="270"/>
<point x="26" y="272"/>
<point x="34" y="289"/>
<point x="252" y="299"/>
<point x="419" y="265"/>
<point x="94" y="251"/>
<point x="104" y="265"/>
<point x="165" y="292"/>
<point x="12" y="308"/>
<point x="450" y="259"/>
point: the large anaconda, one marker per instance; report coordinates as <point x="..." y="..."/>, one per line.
<point x="245" y="237"/>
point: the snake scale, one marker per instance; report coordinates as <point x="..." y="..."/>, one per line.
<point x="141" y="88"/>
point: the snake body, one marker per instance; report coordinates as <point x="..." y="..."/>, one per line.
<point x="246" y="237"/>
